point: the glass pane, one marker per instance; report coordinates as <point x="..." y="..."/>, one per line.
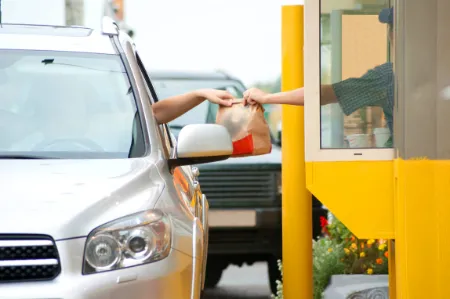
<point x="67" y="105"/>
<point x="357" y="86"/>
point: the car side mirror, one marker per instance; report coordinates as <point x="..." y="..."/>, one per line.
<point x="202" y="143"/>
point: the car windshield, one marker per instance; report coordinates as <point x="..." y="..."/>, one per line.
<point x="203" y="113"/>
<point x="67" y="105"/>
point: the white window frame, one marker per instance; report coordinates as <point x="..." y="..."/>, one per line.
<point x="313" y="150"/>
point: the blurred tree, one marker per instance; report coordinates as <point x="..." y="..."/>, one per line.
<point x="271" y="86"/>
<point x="74" y="12"/>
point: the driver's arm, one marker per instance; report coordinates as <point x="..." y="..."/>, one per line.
<point x="173" y="107"/>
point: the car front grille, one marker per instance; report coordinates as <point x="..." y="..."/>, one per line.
<point x="28" y="258"/>
<point x="239" y="187"/>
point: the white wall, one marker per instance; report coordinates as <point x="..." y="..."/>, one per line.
<point x="93" y="12"/>
<point x="242" y="37"/>
<point x="51" y="12"/>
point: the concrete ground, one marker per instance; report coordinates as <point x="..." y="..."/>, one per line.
<point x="247" y="282"/>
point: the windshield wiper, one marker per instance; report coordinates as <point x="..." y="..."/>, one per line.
<point x="23" y="157"/>
<point x="50" y="61"/>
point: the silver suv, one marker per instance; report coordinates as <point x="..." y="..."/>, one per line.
<point x="97" y="200"/>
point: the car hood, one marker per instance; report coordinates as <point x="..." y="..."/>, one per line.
<point x="69" y="198"/>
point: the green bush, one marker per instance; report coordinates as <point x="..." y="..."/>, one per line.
<point x="279" y="294"/>
<point x="327" y="256"/>
<point x="360" y="256"/>
<point x="340" y="252"/>
<point x="327" y="261"/>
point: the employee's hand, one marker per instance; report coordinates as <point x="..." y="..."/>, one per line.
<point x="255" y="96"/>
<point x="220" y="97"/>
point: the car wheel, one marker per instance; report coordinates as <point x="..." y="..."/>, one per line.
<point x="214" y="270"/>
<point x="274" y="273"/>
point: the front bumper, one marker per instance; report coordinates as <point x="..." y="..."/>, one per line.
<point x="251" y="231"/>
<point x="168" y="278"/>
<point x="261" y="232"/>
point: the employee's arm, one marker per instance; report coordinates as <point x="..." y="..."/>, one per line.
<point x="294" y="97"/>
<point x="173" y="107"/>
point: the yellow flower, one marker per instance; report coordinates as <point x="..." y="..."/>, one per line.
<point x="347" y="252"/>
<point x="362" y="254"/>
<point x="371" y="241"/>
<point x="330" y="249"/>
<point x="370" y="271"/>
<point x="382" y="247"/>
<point x="354" y="246"/>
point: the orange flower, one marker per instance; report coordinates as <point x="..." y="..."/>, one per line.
<point x="386" y="254"/>
<point x="379" y="261"/>
<point x="362" y="245"/>
<point x="353" y="238"/>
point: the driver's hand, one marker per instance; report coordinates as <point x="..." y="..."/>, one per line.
<point x="220" y="97"/>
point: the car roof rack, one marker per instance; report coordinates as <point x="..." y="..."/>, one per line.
<point x="109" y="26"/>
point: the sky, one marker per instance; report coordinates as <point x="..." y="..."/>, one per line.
<point x="241" y="37"/>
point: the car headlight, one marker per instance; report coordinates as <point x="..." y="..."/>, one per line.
<point x="133" y="240"/>
<point x="278" y="181"/>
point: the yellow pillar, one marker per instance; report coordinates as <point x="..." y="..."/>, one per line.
<point x="392" y="272"/>
<point x="297" y="204"/>
<point x="422" y="229"/>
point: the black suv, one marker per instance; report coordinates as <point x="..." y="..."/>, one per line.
<point x="244" y="194"/>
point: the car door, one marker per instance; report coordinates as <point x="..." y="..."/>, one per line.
<point x="184" y="174"/>
<point x="185" y="178"/>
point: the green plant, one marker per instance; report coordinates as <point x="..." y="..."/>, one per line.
<point x="279" y="294"/>
<point x="327" y="261"/>
<point x="361" y="256"/>
<point x="327" y="255"/>
<point x="340" y="252"/>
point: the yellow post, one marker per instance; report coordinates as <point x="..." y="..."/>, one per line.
<point x="392" y="272"/>
<point x="297" y="204"/>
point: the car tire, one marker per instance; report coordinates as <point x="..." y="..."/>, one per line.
<point x="214" y="270"/>
<point x="274" y="273"/>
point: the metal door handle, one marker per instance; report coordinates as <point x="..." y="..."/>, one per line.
<point x="196" y="185"/>
<point x="195" y="171"/>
